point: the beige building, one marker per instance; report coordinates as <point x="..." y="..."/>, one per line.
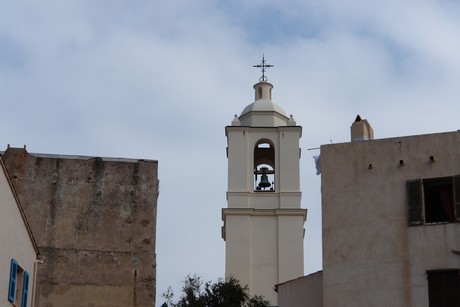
<point x="391" y="213"/>
<point x="263" y="223"/>
<point x="390" y="218"/>
<point x="94" y="220"/>
<point x="301" y="292"/>
<point x="19" y="253"/>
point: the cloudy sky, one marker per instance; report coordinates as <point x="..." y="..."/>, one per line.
<point x="161" y="79"/>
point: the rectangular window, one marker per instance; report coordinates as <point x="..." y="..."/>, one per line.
<point x="18" y="290"/>
<point x="444" y="288"/>
<point x="434" y="200"/>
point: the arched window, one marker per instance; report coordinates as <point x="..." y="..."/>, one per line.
<point x="264" y="166"/>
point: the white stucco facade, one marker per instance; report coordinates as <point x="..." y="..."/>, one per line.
<point x="263" y="225"/>
<point x="378" y="251"/>
<point x="16" y="243"/>
<point x="306" y="291"/>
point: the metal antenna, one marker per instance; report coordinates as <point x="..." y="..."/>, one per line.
<point x="263" y="66"/>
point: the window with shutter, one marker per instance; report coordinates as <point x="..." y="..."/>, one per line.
<point x="19" y="281"/>
<point x="25" y="289"/>
<point x="13" y="280"/>
<point x="434" y="200"/>
<point x="414" y="189"/>
<point x="457" y="197"/>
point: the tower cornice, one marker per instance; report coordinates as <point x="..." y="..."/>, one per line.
<point x="264" y="212"/>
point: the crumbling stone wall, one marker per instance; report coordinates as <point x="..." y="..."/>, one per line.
<point x="94" y="221"/>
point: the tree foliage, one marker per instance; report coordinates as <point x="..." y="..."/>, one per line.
<point x="223" y="293"/>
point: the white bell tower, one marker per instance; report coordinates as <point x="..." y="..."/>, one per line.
<point x="263" y="224"/>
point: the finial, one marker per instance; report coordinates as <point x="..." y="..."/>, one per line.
<point x="263" y="66"/>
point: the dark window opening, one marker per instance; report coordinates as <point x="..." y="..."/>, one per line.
<point x="264" y="166"/>
<point x="434" y="201"/>
<point x="439" y="200"/>
<point x="444" y="288"/>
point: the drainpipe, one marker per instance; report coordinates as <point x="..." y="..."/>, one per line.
<point x="40" y="260"/>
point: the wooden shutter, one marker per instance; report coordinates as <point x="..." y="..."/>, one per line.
<point x="13" y="280"/>
<point x="25" y="289"/>
<point x="414" y="194"/>
<point x="456" y="181"/>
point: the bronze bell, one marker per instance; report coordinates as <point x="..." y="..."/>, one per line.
<point x="264" y="183"/>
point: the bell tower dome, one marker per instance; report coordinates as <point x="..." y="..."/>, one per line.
<point x="263" y="112"/>
<point x="263" y="221"/>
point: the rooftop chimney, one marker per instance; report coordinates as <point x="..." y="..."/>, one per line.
<point x="361" y="130"/>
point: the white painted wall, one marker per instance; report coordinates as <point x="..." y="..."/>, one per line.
<point x="264" y="247"/>
<point x="14" y="240"/>
<point x="306" y="291"/>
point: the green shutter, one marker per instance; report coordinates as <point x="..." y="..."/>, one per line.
<point x="456" y="181"/>
<point x="13" y="280"/>
<point x="414" y="194"/>
<point x="25" y="289"/>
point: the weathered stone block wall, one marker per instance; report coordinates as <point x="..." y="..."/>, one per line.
<point x="94" y="221"/>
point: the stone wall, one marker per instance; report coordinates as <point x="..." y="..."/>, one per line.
<point x="94" y="220"/>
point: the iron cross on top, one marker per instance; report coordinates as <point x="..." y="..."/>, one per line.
<point x="263" y="66"/>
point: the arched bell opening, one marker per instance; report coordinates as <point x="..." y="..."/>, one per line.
<point x="264" y="166"/>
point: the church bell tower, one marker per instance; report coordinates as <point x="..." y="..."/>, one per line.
<point x="263" y="223"/>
